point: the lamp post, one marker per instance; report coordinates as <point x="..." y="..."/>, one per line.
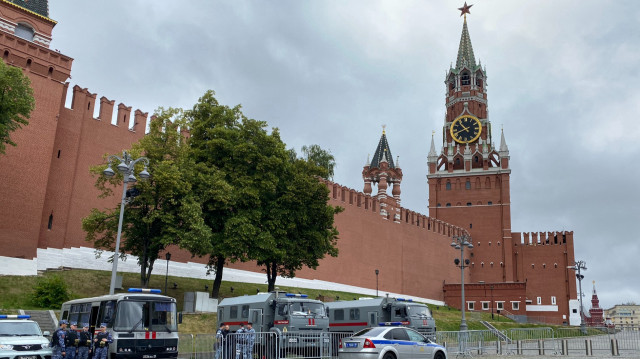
<point x="492" y="301"/>
<point x="166" y="276"/>
<point x="579" y="266"/>
<point x="459" y="242"/>
<point x="125" y="167"/>
<point x="377" y="272"/>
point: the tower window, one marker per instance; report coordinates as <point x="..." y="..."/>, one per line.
<point x="489" y="203"/>
<point x="467" y="184"/>
<point x="468" y="204"/>
<point x="58" y="153"/>
<point x="24" y="31"/>
<point x="448" y="186"/>
<point x="50" y="224"/>
<point x="448" y="204"/>
<point x="439" y="205"/>
<point x="465" y="79"/>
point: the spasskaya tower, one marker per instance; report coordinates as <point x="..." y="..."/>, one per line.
<point x="469" y="177"/>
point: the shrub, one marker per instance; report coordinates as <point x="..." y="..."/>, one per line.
<point x="50" y="292"/>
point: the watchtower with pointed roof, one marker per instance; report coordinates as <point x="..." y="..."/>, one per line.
<point x="382" y="171"/>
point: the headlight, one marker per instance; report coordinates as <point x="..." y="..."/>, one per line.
<point x="6" y="347"/>
<point x="45" y="345"/>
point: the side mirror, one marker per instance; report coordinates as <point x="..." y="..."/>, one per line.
<point x="46" y="333"/>
<point x="180" y="318"/>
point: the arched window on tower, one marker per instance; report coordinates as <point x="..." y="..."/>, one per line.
<point x="448" y="186"/>
<point x="465" y="79"/>
<point x="24" y="31"/>
<point x="478" y="80"/>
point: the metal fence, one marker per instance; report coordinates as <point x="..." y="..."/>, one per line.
<point x="530" y="342"/>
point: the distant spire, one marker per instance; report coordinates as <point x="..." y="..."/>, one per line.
<point x="397" y="161"/>
<point x="382" y="150"/>
<point x="503" y="143"/>
<point x="432" y="150"/>
<point x="465" y="50"/>
<point x="594" y="288"/>
<point x="368" y="161"/>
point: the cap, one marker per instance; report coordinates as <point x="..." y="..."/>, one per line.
<point x="64" y="321"/>
<point x="250" y="323"/>
<point x="103" y="325"/>
<point x="74" y="323"/>
<point x="85" y="325"/>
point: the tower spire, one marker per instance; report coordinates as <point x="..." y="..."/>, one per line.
<point x="465" y="50"/>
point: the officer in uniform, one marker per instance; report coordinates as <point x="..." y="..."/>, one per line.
<point x="102" y="340"/>
<point x="84" y="347"/>
<point x="240" y="337"/>
<point x="219" y="340"/>
<point x="71" y="341"/>
<point x="58" y="340"/>
<point x="250" y="338"/>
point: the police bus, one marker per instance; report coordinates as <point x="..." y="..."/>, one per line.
<point x="142" y="323"/>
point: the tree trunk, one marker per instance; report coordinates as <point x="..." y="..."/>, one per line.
<point x="148" y="277"/>
<point x="272" y="274"/>
<point x="217" y="282"/>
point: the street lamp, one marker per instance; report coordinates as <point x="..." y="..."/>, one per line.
<point x="579" y="266"/>
<point x="166" y="276"/>
<point x="126" y="168"/>
<point x="459" y="242"/>
<point x="377" y="272"/>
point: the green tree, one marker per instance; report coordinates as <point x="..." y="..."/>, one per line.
<point x="250" y="160"/>
<point x="16" y="102"/>
<point x="299" y="219"/>
<point x="167" y="211"/>
<point x="320" y="157"/>
<point x="50" y="292"/>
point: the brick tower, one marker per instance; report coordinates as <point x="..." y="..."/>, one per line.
<point x="520" y="274"/>
<point x="469" y="179"/>
<point x="381" y="170"/>
<point x="25" y="34"/>
<point x="596" y="314"/>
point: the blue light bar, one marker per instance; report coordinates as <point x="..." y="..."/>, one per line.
<point x="404" y="300"/>
<point x="14" y="316"/>
<point x="296" y="295"/>
<point x="389" y="324"/>
<point x="144" y="290"/>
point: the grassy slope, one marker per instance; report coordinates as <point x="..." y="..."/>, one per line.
<point x="16" y="290"/>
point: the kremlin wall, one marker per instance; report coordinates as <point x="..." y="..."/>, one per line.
<point x="48" y="190"/>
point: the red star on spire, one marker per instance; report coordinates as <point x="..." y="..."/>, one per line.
<point x="465" y="9"/>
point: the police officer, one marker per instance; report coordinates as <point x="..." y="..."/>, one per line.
<point x="220" y="334"/>
<point x="240" y="341"/>
<point x="84" y="346"/>
<point x="250" y="338"/>
<point x="71" y="341"/>
<point x="58" y="340"/>
<point x="101" y="341"/>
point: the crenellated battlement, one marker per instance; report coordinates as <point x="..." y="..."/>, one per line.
<point x="346" y="196"/>
<point x="542" y="238"/>
<point x="83" y="101"/>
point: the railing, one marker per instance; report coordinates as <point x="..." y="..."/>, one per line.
<point x="524" y="341"/>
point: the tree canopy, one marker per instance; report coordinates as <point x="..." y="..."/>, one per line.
<point x="16" y="102"/>
<point x="167" y="211"/>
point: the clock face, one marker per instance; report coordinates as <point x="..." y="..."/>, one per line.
<point x="466" y="129"/>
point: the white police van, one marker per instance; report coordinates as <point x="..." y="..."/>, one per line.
<point x="21" y="338"/>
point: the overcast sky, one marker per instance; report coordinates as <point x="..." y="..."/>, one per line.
<point x="563" y="80"/>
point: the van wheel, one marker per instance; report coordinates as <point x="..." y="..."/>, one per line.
<point x="439" y="355"/>
<point x="389" y="355"/>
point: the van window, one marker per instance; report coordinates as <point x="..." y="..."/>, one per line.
<point x="338" y="314"/>
<point x="354" y="313"/>
<point x="245" y="311"/>
<point x="234" y="312"/>
<point x="400" y="312"/>
<point x="283" y="309"/>
<point x="107" y="310"/>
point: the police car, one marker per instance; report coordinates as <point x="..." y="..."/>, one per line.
<point x="21" y="338"/>
<point x="389" y="342"/>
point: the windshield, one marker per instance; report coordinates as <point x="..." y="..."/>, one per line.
<point x="19" y="329"/>
<point x="419" y="310"/>
<point x="139" y="316"/>
<point x="306" y="308"/>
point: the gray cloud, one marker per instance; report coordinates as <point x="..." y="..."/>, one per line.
<point x="562" y="81"/>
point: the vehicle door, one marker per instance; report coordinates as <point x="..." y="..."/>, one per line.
<point x="421" y="348"/>
<point x="400" y="342"/>
<point x="373" y="319"/>
<point x="255" y="317"/>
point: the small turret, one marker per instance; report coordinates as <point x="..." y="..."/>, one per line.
<point x="382" y="171"/>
